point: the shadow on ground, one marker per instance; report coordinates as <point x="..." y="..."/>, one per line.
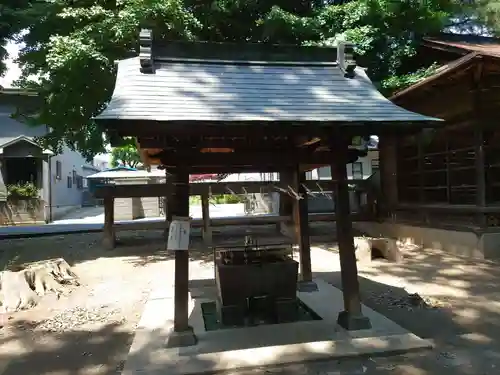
<point x="141" y="247"/>
<point x="465" y="325"/>
<point x="75" y="352"/>
<point x="80" y="352"/>
<point x="462" y="347"/>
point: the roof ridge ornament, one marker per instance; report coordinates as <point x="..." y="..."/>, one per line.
<point x="146" y="51"/>
<point x="345" y="58"/>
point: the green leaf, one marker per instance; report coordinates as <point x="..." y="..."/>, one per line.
<point x="394" y="84"/>
<point x="126" y="155"/>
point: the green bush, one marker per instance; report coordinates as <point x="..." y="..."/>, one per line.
<point x="194" y="200"/>
<point x="231" y="199"/>
<point x="26" y="190"/>
<point x="218" y="199"/>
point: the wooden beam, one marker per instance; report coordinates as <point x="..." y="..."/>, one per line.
<point x="239" y="221"/>
<point x="234" y="169"/>
<point x="148" y="128"/>
<point x="215" y="188"/>
<point x="450" y="208"/>
<point x="250" y="169"/>
<point x="321" y="129"/>
<point x="248" y="142"/>
<point x="287" y="156"/>
<point x="279" y="158"/>
<point x="165" y="142"/>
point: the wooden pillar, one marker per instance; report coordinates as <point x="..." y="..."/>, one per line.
<point x="480" y="170"/>
<point x="181" y="191"/>
<point x="351" y="318"/>
<point x="301" y="225"/>
<point x="183" y="334"/>
<point x="480" y="174"/>
<point x="168" y="200"/>
<point x="479" y="85"/>
<point x="448" y="168"/>
<point x="285" y="202"/>
<point x="421" y="178"/>
<point x="108" y="239"/>
<point x="388" y="156"/>
<point x="205" y="212"/>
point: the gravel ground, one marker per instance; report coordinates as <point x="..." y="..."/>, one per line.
<point x="88" y="331"/>
<point x="450" y="300"/>
<point x="90" y="328"/>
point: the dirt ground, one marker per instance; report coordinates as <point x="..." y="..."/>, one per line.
<point x="89" y="331"/>
<point x="458" y="309"/>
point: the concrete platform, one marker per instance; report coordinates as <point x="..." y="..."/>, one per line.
<point x="265" y="345"/>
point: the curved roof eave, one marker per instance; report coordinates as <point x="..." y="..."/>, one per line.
<point x="232" y="92"/>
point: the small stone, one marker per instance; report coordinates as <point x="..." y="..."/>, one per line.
<point x="74" y="317"/>
<point x="448" y="355"/>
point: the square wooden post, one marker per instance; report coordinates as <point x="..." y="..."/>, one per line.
<point x="182" y="334"/>
<point x="480" y="175"/>
<point x="351" y="318"/>
<point x="301" y="223"/>
<point x="108" y="234"/>
<point x="205" y="212"/>
<point x="285" y="202"/>
<point x="388" y="159"/>
<point x="168" y="202"/>
<point x="478" y="86"/>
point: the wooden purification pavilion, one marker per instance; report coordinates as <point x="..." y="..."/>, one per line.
<point x="224" y="108"/>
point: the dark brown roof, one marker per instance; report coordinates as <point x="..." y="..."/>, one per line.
<point x="464" y="44"/>
<point x="469" y="47"/>
<point x="441" y="72"/>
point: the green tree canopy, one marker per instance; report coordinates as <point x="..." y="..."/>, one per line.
<point x="10" y="25"/>
<point x="126" y="155"/>
<point x="72" y="45"/>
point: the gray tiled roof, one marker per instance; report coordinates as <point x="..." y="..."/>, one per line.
<point x="11" y="129"/>
<point x="232" y="91"/>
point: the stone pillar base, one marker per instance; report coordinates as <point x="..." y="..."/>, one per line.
<point x="181" y="339"/>
<point x="307" y="286"/>
<point x="109" y="241"/>
<point x="352" y="322"/>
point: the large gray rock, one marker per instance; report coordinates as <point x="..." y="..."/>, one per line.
<point x="363" y="249"/>
<point x="366" y="247"/>
<point x="388" y="248"/>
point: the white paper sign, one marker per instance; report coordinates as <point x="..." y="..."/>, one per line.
<point x="178" y="235"/>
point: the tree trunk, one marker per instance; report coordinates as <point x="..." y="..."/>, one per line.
<point x="22" y="288"/>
